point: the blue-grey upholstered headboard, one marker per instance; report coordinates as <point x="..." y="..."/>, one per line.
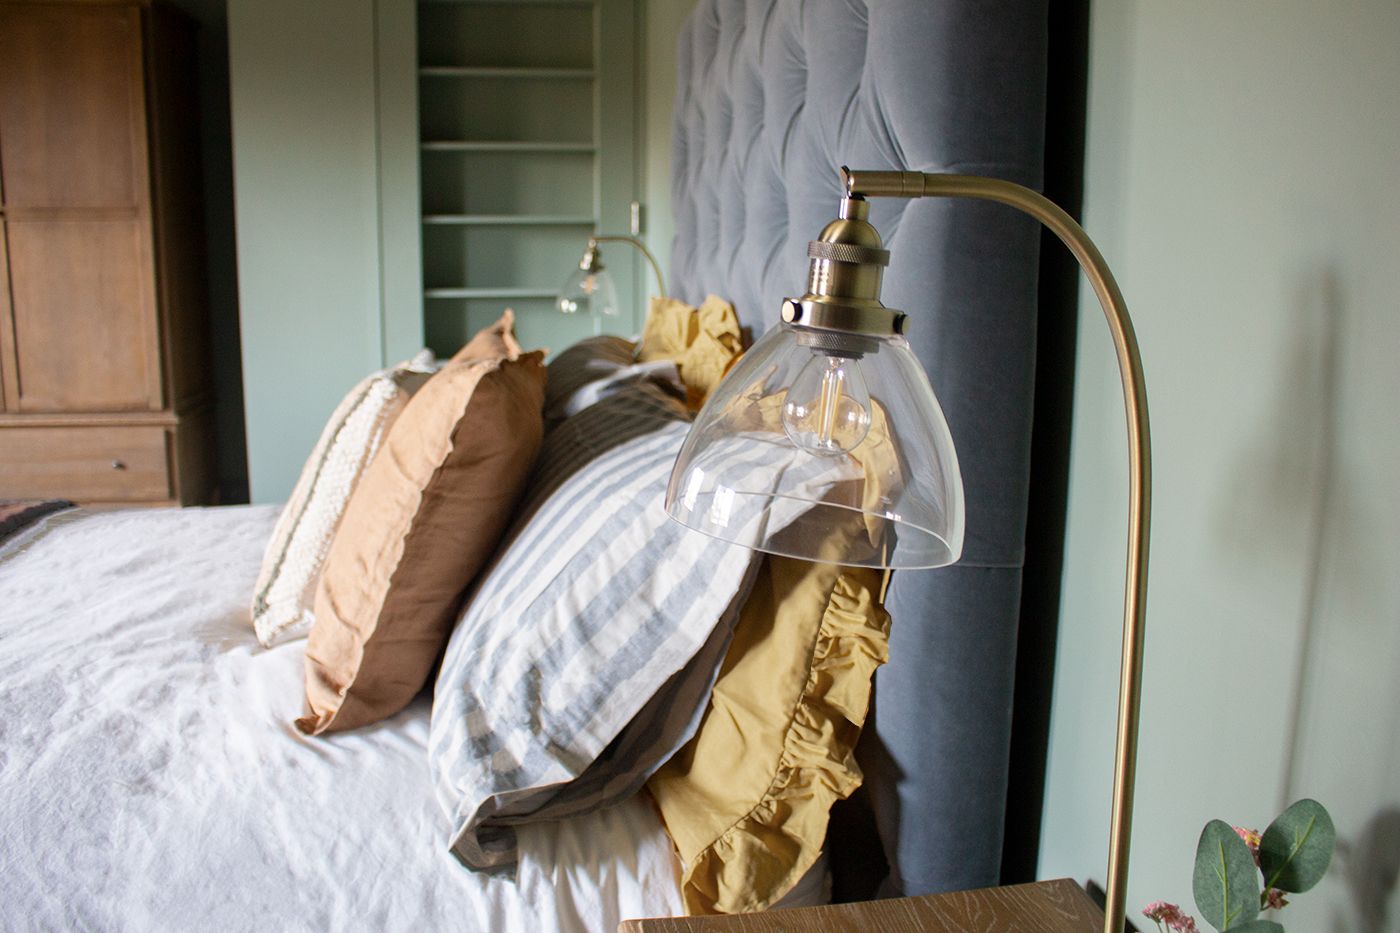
<point x="774" y="96"/>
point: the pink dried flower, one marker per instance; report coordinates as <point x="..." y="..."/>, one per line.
<point x="1273" y="898"/>
<point x="1251" y="839"/>
<point x="1171" y="915"/>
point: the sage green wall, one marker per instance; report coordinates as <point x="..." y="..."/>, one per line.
<point x="306" y="199"/>
<point x="662" y="20"/>
<point x="400" y="207"/>
<point x="324" y="104"/>
<point x="1242" y="179"/>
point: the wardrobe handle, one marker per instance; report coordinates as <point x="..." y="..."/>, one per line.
<point x="118" y="465"/>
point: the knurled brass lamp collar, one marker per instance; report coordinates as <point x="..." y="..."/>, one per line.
<point x="591" y="262"/>
<point x="843" y="279"/>
<point x="873" y="320"/>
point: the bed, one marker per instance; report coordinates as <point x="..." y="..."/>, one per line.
<point x="150" y="777"/>
<point x="164" y="787"/>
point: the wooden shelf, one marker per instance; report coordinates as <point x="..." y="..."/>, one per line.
<point x="453" y="145"/>
<point x="462" y="71"/>
<point x="490" y="293"/>
<point x="510" y="220"/>
<point x="522" y="156"/>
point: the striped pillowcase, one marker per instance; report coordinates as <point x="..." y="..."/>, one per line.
<point x="586" y="655"/>
<point x="597" y="367"/>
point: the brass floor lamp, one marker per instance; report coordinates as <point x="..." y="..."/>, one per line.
<point x="784" y="447"/>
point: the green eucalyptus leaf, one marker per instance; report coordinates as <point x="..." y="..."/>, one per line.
<point x="1225" y="882"/>
<point x="1297" y="847"/>
<point x="1257" y="926"/>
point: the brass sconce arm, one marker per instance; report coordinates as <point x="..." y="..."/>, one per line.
<point x="860" y="184"/>
<point x="655" y="266"/>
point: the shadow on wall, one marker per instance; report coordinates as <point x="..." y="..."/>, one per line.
<point x="1296" y="481"/>
<point x="1284" y="485"/>
<point x="1370" y="866"/>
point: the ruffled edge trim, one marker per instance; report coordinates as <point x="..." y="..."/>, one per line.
<point x="813" y="771"/>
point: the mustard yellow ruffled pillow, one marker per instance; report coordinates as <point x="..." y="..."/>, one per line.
<point x="748" y="799"/>
<point x="703" y="342"/>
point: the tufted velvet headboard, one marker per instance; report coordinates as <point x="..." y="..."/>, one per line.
<point x="774" y="96"/>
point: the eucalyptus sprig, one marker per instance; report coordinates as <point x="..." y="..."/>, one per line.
<point x="1240" y="873"/>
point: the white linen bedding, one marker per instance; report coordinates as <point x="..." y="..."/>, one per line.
<point x="150" y="777"/>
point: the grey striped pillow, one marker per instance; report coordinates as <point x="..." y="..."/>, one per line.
<point x="586" y="655"/>
<point x="597" y="367"/>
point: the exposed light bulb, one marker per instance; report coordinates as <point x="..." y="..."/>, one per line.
<point x="589" y="292"/>
<point x="827" y="407"/>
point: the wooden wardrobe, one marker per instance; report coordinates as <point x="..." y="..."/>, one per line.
<point x="104" y="374"/>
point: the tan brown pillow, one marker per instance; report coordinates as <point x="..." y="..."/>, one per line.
<point x="422" y="522"/>
<point x="492" y="343"/>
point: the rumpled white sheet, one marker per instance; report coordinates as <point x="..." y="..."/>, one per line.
<point x="150" y="778"/>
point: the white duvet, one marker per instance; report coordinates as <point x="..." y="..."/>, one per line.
<point x="150" y="778"/>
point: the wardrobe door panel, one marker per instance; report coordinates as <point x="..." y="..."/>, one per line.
<point x="72" y="121"/>
<point x="83" y="316"/>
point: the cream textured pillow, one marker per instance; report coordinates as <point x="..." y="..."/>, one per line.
<point x="286" y="587"/>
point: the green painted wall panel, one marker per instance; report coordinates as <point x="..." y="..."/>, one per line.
<point x="619" y="167"/>
<point x="662" y="21"/>
<point x="1241" y="176"/>
<point x="400" y="245"/>
<point x="325" y="114"/>
<point x="302" y="88"/>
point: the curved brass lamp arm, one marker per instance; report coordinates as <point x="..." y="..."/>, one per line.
<point x="921" y="185"/>
<point x="655" y="266"/>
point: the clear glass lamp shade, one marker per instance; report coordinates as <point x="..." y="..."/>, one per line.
<point x="588" y="293"/>
<point x="843" y="457"/>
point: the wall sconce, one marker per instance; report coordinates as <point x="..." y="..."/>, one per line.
<point x="590" y="289"/>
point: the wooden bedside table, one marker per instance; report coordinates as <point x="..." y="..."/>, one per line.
<point x="1044" y="907"/>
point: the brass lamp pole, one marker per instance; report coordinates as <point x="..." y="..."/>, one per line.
<point x="860" y="184"/>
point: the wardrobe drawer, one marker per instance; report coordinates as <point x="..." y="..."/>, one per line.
<point x="90" y="463"/>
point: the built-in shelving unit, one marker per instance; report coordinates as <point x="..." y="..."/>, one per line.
<point x="490" y="293"/>
<point x="527" y="147"/>
<point x="510" y="220"/>
<point x="460" y="71"/>
<point x="465" y="145"/>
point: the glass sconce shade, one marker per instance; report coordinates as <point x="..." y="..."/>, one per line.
<point x="588" y="292"/>
<point x="824" y="450"/>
